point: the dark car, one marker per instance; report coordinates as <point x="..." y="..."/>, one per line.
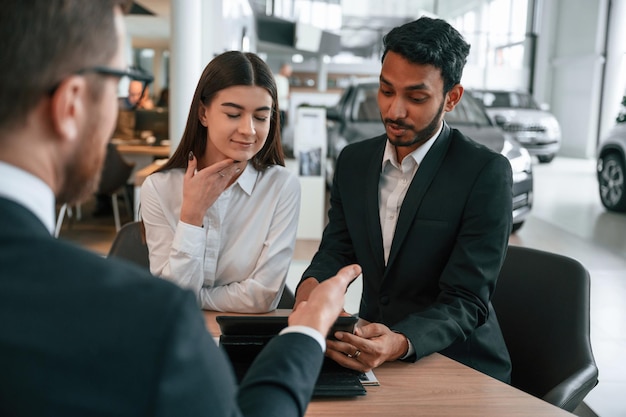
<point x="356" y="117"/>
<point x="612" y="168"/>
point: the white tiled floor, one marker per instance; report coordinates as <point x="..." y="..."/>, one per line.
<point x="568" y="218"/>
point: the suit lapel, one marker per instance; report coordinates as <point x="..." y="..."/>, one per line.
<point x="372" y="204"/>
<point x="413" y="199"/>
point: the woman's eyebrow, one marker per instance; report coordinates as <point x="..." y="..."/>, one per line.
<point x="240" y="107"/>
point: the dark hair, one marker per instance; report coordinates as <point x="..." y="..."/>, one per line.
<point x="46" y="41"/>
<point x="433" y="42"/>
<point x="230" y="69"/>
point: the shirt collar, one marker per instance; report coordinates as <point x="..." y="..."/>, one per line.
<point x="418" y="155"/>
<point x="248" y="178"/>
<point x="28" y="190"/>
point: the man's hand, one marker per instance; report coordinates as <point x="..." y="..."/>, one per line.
<point x="325" y="301"/>
<point x="304" y="290"/>
<point x="370" y="346"/>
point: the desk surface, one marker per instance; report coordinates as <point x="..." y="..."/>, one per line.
<point x="161" y="151"/>
<point x="433" y="386"/>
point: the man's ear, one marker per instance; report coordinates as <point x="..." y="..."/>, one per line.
<point x="453" y="97"/>
<point x="68" y="107"/>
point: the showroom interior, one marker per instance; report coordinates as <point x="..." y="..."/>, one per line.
<point x="567" y="54"/>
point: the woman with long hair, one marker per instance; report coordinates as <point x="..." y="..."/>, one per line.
<point x="221" y="215"/>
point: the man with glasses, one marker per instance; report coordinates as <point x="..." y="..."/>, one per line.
<point x="85" y="336"/>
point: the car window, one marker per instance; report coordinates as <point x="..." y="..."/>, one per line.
<point x="468" y="111"/>
<point x="524" y="101"/>
<point x="507" y="99"/>
<point x="365" y="104"/>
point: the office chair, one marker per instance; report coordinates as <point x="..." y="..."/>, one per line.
<point x="287" y="299"/>
<point x="542" y="304"/>
<point x="63" y="210"/>
<point x="130" y="244"/>
<point x="115" y="174"/>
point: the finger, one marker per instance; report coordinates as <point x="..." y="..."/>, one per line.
<point x="339" y="346"/>
<point x="353" y="342"/>
<point x="191" y="165"/>
<point x="347" y="274"/>
<point x="217" y="167"/>
<point x="346" y="362"/>
<point x="372" y="330"/>
<point x="222" y="166"/>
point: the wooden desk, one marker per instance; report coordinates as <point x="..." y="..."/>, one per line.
<point x="148" y="150"/>
<point x="433" y="386"/>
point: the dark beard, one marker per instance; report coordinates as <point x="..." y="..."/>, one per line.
<point x="81" y="175"/>
<point x="420" y="136"/>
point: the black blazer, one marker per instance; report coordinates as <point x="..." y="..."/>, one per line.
<point x="449" y="244"/>
<point x="81" y="335"/>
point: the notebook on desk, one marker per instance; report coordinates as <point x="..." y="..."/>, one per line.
<point x="243" y="337"/>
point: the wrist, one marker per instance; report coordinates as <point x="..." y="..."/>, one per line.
<point x="404" y="345"/>
<point x="304" y="289"/>
<point x="191" y="218"/>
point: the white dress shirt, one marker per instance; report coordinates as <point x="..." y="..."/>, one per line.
<point x="394" y="182"/>
<point x="238" y="260"/>
<point x="29" y="191"/>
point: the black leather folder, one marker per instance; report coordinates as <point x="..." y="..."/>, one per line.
<point x="243" y="337"/>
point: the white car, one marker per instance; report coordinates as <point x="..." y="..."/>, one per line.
<point x="533" y="126"/>
<point x="612" y="168"/>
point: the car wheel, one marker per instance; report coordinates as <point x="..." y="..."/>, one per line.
<point x="612" y="183"/>
<point x="544" y="159"/>
<point x="516" y="227"/>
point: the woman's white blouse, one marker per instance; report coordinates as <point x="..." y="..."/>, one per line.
<point x="238" y="260"/>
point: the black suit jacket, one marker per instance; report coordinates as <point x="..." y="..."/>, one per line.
<point x="449" y="244"/>
<point x="81" y="335"/>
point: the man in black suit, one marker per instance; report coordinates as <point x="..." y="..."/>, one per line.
<point x="425" y="211"/>
<point x="81" y="335"/>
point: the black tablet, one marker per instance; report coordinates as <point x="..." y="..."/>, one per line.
<point x="271" y="325"/>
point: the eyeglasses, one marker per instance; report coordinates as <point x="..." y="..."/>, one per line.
<point x="132" y="73"/>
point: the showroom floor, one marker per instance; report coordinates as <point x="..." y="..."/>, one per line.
<point x="567" y="218"/>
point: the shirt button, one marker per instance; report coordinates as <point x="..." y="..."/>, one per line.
<point x="384" y="300"/>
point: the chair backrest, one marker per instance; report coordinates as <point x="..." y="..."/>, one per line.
<point x="130" y="244"/>
<point x="115" y="171"/>
<point x="287" y="299"/>
<point x="542" y="304"/>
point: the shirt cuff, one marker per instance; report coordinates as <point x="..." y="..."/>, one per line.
<point x="189" y="239"/>
<point x="309" y="331"/>
<point x="409" y="352"/>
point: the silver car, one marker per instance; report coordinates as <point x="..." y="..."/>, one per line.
<point x="612" y="168"/>
<point x="531" y="125"/>
<point x="356" y="117"/>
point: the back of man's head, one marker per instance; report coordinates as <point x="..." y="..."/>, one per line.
<point x="428" y="41"/>
<point x="44" y="41"/>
